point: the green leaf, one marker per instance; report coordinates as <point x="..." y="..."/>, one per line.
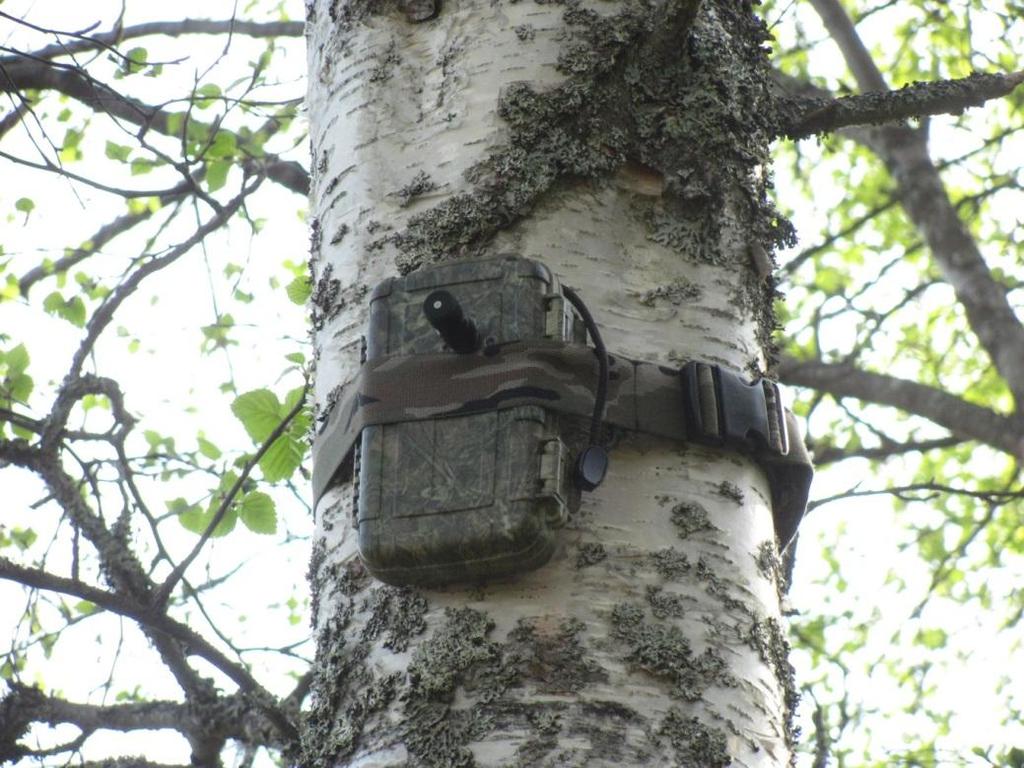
<point x="95" y="401"/>
<point x="70" y="150"/>
<point x="141" y="166"/>
<point x="190" y="516"/>
<point x="299" y="290"/>
<point x="72" y="310"/>
<point x="224" y="145"/>
<point x="17" y="359"/>
<point x="282" y="458"/>
<point x="207" y="95"/>
<point x="932" y="638"/>
<point x="259" y="411"/>
<point x="15" y="384"/>
<point x="23" y="538"/>
<point x="25" y="205"/>
<point x="257" y="512"/>
<point x="118" y="151"/>
<point x="175" y="121"/>
<point x="218" y="335"/>
<point x="194" y="518"/>
<point x="135" y="60"/>
<point x="86" y="607"/>
<point x="217" y="174"/>
<point x="208" y="449"/>
<point x="290" y="401"/>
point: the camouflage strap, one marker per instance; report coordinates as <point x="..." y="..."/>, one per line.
<point x="687" y="405"/>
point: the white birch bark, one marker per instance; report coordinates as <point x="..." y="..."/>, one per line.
<point x="653" y="636"/>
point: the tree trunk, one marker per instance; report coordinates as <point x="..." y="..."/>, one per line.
<point x="625" y="145"/>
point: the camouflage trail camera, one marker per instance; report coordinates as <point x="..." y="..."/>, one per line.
<point x="464" y="497"/>
<point x="464" y="430"/>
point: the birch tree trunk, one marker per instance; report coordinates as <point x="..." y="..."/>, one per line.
<point x="623" y="144"/>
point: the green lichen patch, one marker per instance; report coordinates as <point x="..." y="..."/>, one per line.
<point x="670" y="563"/>
<point x="436" y="736"/>
<point x="590" y="553"/>
<point x="675" y="293"/>
<point x="768" y="639"/>
<point x="524" y="32"/>
<point x="459" y="652"/>
<point x="558" y="662"/>
<point x="662" y="650"/>
<point x="456" y="647"/>
<point x="397" y="613"/>
<point x="686" y="96"/>
<point x="352" y="579"/>
<point x="666" y="605"/>
<point x="730" y="491"/>
<point x="419" y="185"/>
<point x="348" y="14"/>
<point x="691" y="518"/>
<point x="384" y="64"/>
<point x="324" y="298"/>
<point x="338" y="708"/>
<point x="695" y="744"/>
<point x="719" y="587"/>
<point x="317" y="557"/>
<point x="339" y="234"/>
<point x="770" y="566"/>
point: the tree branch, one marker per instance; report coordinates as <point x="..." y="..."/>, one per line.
<point x="924" y="197"/>
<point x="930" y="491"/>
<point x="829" y="454"/>
<point x="102" y="316"/>
<point x="963" y="419"/>
<point x="813" y="116"/>
<point x="172" y="580"/>
<point x="145" y="616"/>
<point x="100" y="238"/>
<point x="106" y="40"/>
<point x="18" y="74"/>
<point x="50" y="167"/>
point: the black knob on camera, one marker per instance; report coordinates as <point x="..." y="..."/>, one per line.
<point x="444" y="312"/>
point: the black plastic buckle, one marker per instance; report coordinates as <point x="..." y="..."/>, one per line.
<point x="722" y="409"/>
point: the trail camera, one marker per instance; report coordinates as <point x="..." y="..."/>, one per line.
<point x="464" y="428"/>
<point x="472" y="496"/>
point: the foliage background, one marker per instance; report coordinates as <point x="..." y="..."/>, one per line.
<point x="906" y="603"/>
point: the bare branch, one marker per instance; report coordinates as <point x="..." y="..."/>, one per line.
<point x="21" y="72"/>
<point x="106" y="40"/>
<point x="940" y="97"/>
<point x="921" y="492"/>
<point x="100" y="238"/>
<point x="102" y="316"/>
<point x="13" y="118"/>
<point x="41" y="708"/>
<point x="146" y="617"/>
<point x="128" y="194"/>
<point x="963" y="419"/>
<point x="829" y="454"/>
<point x="288" y="174"/>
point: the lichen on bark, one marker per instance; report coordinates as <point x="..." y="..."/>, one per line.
<point x="686" y="112"/>
<point x="699" y="114"/>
